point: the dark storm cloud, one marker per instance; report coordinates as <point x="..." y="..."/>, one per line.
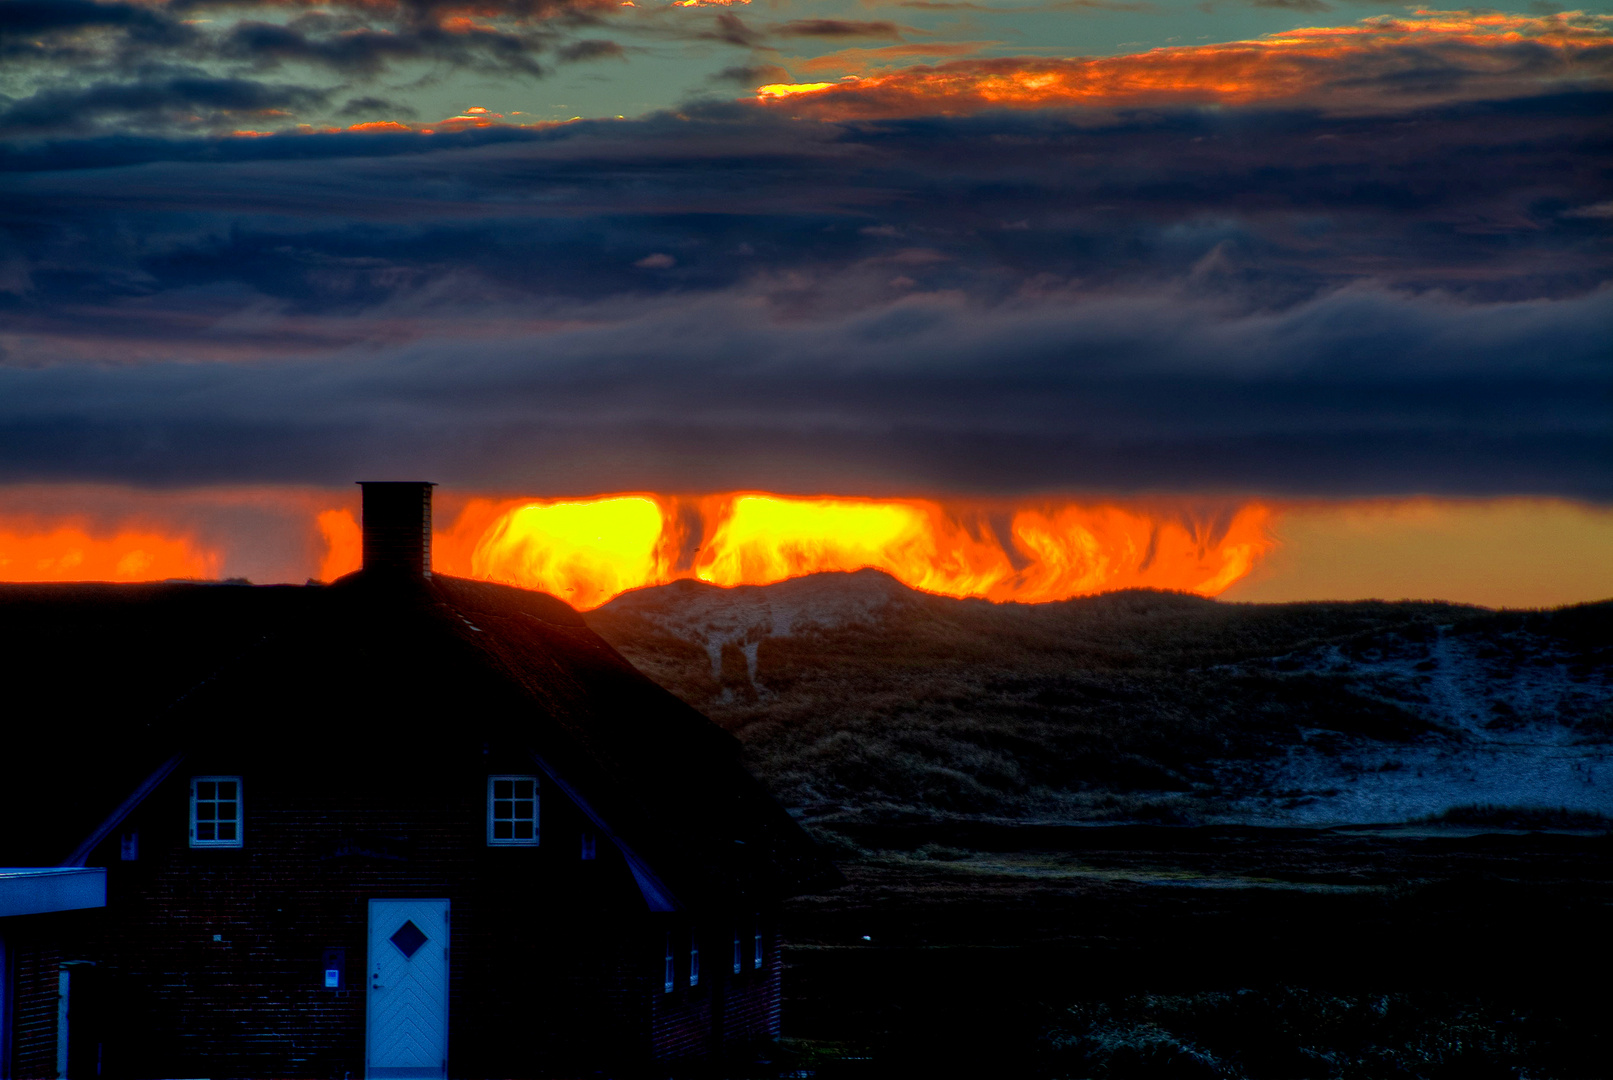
<point x="359" y="52"/>
<point x="173" y="101"/>
<point x="56" y="50"/>
<point x="1214" y="300"/>
<point x="1137" y="391"/>
<point x="881" y="29"/>
<point x="32" y="18"/>
<point x="374" y="106"/>
<point x="592" y="49"/>
<point x="731" y="30"/>
<point x="367" y="51"/>
<point x="1293" y="5"/>
<point x="750" y="75"/>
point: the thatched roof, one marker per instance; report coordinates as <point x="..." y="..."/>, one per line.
<point x="382" y="676"/>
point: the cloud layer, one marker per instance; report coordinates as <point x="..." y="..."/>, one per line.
<point x="1383" y="62"/>
<point x="1377" y="264"/>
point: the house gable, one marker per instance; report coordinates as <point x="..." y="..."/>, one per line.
<point x="362" y="721"/>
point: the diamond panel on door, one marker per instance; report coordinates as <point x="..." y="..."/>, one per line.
<point x="409" y="938"/>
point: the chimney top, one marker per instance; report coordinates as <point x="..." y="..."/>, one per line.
<point x="397" y="526"/>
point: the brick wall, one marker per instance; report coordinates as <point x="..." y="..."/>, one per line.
<point x="36" y="960"/>
<point x="214" y="956"/>
<point x="727" y="1010"/>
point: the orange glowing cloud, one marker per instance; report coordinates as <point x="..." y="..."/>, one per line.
<point x="375" y="125"/>
<point x="344" y="544"/>
<point x="474" y="117"/>
<point x="1057" y="551"/>
<point x="1348" y="67"/>
<point x="1518" y="552"/>
<point x="587" y="551"/>
<point x="583" y="551"/>
<point x="64" y="552"/>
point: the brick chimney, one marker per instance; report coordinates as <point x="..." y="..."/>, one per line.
<point x="397" y="527"/>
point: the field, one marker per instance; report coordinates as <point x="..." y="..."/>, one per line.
<point x="1150" y="835"/>
<point x="1143" y="951"/>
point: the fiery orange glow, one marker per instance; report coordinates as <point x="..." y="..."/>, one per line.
<point x="344" y="544"/>
<point x="1079" y="550"/>
<point x="474" y="117"/>
<point x="1513" y="552"/>
<point x="373" y="125"/>
<point x="584" y="552"/>
<point x="781" y="90"/>
<point x="757" y="539"/>
<point x="1062" y="551"/>
<point x="1355" y="66"/>
<point x="70" y="553"/>
<point x="587" y="551"/>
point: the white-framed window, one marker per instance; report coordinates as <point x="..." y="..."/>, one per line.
<point x="694" y="960"/>
<point x="739" y="962"/>
<point x="512" y="811"/>
<point x="671" y="977"/>
<point x="756" y="951"/>
<point x="215" y="811"/>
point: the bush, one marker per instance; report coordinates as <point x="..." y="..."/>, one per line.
<point x="1292" y="1033"/>
<point x="1491" y="816"/>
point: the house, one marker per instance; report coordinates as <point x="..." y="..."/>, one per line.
<point x="403" y="825"/>
<point x="41" y="910"/>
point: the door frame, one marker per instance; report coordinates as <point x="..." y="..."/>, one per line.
<point x="369" y="967"/>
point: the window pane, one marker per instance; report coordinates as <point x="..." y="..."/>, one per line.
<point x="523" y="789"/>
<point x="523" y="809"/>
<point x="501" y="831"/>
<point x="226" y="830"/>
<point x="503" y="809"/>
<point x="523" y="830"/>
<point x="206" y="811"/>
<point x="502" y="789"/>
<point x="226" y="811"/>
<point x="226" y="789"/>
<point x="204" y="830"/>
<point x="206" y="789"/>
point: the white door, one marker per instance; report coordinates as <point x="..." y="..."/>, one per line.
<point x="407" y="1015"/>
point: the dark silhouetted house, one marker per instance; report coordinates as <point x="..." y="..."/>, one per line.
<point x="398" y="826"/>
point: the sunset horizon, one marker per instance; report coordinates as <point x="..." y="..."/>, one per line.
<point x="1514" y="553"/>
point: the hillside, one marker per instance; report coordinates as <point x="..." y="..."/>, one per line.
<point x="858" y="699"/>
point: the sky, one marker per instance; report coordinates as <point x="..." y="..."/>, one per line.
<point x="1346" y="262"/>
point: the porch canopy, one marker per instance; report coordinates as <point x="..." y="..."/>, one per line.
<point x="37" y="890"/>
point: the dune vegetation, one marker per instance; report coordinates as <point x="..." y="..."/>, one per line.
<point x="856" y="698"/>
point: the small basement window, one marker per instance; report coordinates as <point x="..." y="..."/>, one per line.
<point x="512" y="811"/>
<point x="215" y="811"/>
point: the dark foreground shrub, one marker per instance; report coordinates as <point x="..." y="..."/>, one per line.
<point x="1491" y="816"/>
<point x="1295" y="1033"/>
